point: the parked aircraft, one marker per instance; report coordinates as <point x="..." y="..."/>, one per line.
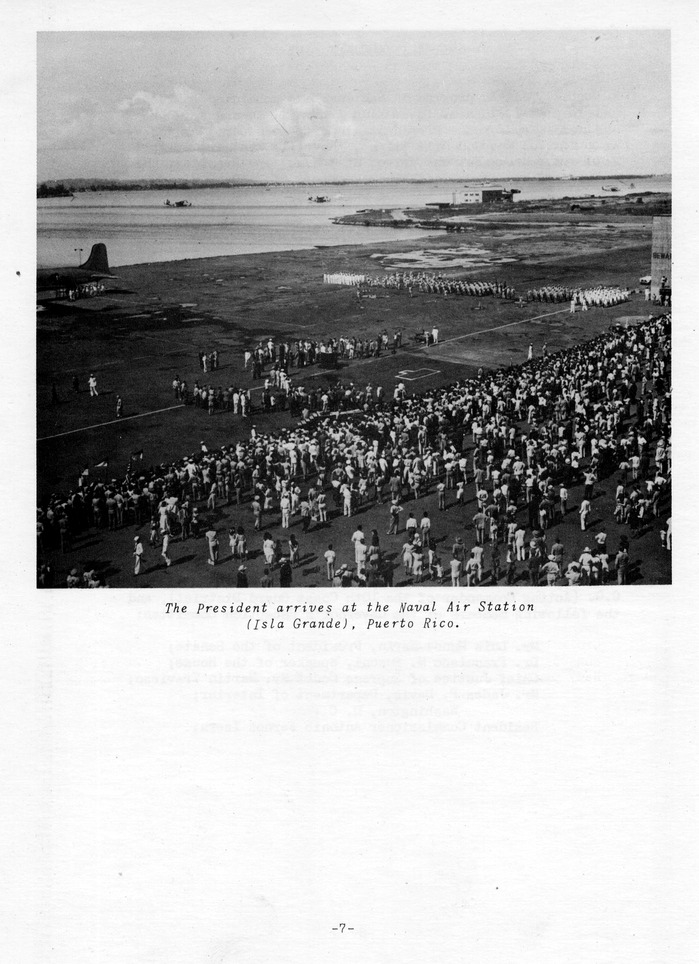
<point x="53" y="284"/>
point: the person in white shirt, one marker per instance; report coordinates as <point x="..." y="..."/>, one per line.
<point x="425" y="526"/>
<point x="330" y="556"/>
<point x="357" y="541"/>
<point x="137" y="555"/>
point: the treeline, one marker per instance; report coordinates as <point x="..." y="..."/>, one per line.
<point x="82" y="185"/>
<point x="54" y="190"/>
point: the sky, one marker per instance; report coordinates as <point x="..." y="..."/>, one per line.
<point x="352" y="105"/>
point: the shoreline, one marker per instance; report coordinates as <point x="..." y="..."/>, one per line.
<point x="280" y="252"/>
<point x="491" y="224"/>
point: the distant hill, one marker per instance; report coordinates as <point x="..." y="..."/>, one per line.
<point x="76" y="185"/>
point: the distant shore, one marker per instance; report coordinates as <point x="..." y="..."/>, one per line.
<point x="174" y="184"/>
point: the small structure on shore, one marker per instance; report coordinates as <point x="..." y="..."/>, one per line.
<point x="489" y="195"/>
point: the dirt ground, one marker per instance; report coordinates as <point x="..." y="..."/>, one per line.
<point x="157" y="317"/>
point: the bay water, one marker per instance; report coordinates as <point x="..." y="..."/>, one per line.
<point x="138" y="228"/>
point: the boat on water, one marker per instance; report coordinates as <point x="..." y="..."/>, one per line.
<point x="178" y="204"/>
<point x="319" y="198"/>
<point x="607" y="188"/>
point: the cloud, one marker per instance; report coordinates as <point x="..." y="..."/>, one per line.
<point x="289" y="138"/>
<point x="184" y="103"/>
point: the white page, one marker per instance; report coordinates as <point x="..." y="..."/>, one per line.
<point x="518" y="786"/>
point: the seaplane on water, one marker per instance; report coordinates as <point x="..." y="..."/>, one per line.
<point x="56" y="284"/>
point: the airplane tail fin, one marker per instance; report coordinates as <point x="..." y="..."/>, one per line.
<point x="98" y="260"/>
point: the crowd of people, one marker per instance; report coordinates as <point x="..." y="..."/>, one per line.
<point x="88" y="290"/>
<point x="514" y="441"/>
<point x="278" y="391"/>
<point x="285" y="355"/>
<point x="208" y="360"/>
<point x="344" y="278"/>
<point x="601" y="296"/>
<point x="426" y="283"/>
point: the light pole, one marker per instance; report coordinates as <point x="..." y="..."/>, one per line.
<point x="79" y="252"/>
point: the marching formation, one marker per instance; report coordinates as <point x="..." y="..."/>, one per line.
<point x="344" y="278"/>
<point x="426" y="283"/>
<point x="602" y="296"/>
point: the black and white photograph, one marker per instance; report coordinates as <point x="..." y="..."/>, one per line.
<point x="354" y="309"/>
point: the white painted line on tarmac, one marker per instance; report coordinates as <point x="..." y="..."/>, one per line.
<point x="113" y="421"/>
<point x="415" y="373"/>
<point x="484" y="331"/>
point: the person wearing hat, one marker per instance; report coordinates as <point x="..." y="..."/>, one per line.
<point x="455" y="566"/>
<point x="137" y="554"/>
<point x="395" y="516"/>
<point x="551" y="570"/>
<point x="573" y="573"/>
<point x="242" y="578"/>
<point x="585" y="562"/>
